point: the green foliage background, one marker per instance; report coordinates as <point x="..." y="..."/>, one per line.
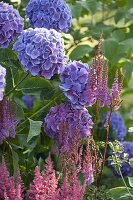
<point x="113" y="18"/>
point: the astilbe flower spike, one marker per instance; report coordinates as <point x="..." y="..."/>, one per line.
<point x="50" y="179"/>
<point x="64" y="191"/>
<point x="2" y="81"/>
<point x="71" y="190"/>
<point x="50" y="14"/>
<point x="87" y="167"/>
<point x="44" y="184"/>
<point x="115" y="94"/>
<point x="8" y="188"/>
<point x="11" y="24"/>
<point x="41" y="51"/>
<point x="118" y="125"/>
<point x="4" y="179"/>
<point x="100" y="67"/>
<point x="62" y="120"/>
<point x="38" y="188"/>
<point x="7" y="121"/>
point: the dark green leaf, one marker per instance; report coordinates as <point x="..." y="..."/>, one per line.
<point x="80" y="51"/>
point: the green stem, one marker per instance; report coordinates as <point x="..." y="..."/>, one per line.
<point x="14" y="88"/>
<point x="37" y="112"/>
<point x="125" y="183"/>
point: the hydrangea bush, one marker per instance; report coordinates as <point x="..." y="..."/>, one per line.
<point x="55" y="89"/>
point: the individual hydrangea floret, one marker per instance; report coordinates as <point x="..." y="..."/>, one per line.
<point x="75" y="84"/>
<point x="118" y="125"/>
<point x="50" y="14"/>
<point x="2" y="81"/>
<point x="126" y="168"/>
<point x="11" y="24"/>
<point x="63" y="123"/>
<point x="41" y="51"/>
<point x="28" y="100"/>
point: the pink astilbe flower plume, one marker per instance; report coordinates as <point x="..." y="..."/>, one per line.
<point x="44" y="184"/>
<point x="76" y="190"/>
<point x="5" y="196"/>
<point x="50" y="179"/>
<point x="38" y="188"/>
<point x="100" y="67"/>
<point x="4" y="179"/>
<point x="115" y="94"/>
<point x="72" y="190"/>
<point x="19" y="187"/>
<point x="87" y="168"/>
<point x="64" y="191"/>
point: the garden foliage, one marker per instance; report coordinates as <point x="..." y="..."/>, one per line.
<point x="65" y="71"/>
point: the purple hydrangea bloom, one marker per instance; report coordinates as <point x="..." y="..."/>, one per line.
<point x="29" y="100"/>
<point x="11" y="24"/>
<point x="41" y="51"/>
<point x="7" y="121"/>
<point x="126" y="168"/>
<point x="63" y="123"/>
<point x="76" y="84"/>
<point x="50" y="14"/>
<point x="118" y="125"/>
<point x="2" y="81"/>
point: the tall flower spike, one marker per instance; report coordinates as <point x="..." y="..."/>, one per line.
<point x="63" y="193"/>
<point x="101" y="70"/>
<point x="11" y="24"/>
<point x="50" y="179"/>
<point x="64" y="115"/>
<point x="41" y="51"/>
<point x="88" y="167"/>
<point x="2" y="81"/>
<point x="50" y="14"/>
<point x="7" y="121"/>
<point x="5" y="181"/>
<point x="38" y="188"/>
<point x="76" y="190"/>
<point x="115" y="94"/>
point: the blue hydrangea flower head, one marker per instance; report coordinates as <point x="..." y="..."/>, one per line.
<point x="2" y="81"/>
<point x="126" y="168"/>
<point x="28" y="100"/>
<point x="50" y="14"/>
<point x="63" y="122"/>
<point x="41" y="51"/>
<point x="75" y="82"/>
<point x="118" y="125"/>
<point x="11" y="24"/>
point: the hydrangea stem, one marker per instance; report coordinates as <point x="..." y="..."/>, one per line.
<point x="15" y="87"/>
<point x="37" y="112"/>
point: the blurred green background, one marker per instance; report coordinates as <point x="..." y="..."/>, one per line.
<point x="113" y="18"/>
